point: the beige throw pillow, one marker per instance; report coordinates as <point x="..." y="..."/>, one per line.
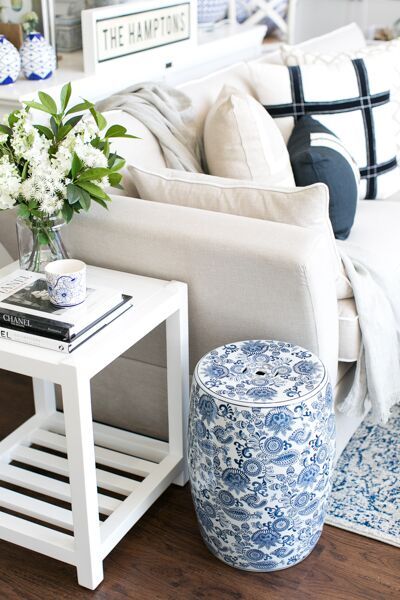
<point x="242" y="141"/>
<point x="305" y="207"/>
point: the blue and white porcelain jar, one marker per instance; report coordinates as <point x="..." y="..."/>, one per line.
<point x="261" y="450"/>
<point x="10" y="62"/>
<point x="38" y="58"/>
<point x="210" y="12"/>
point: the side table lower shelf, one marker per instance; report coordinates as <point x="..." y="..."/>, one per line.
<point x="34" y="456"/>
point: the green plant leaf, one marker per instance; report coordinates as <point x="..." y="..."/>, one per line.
<point x="53" y="126"/>
<point x="48" y="102"/>
<point x="118" y="131"/>
<point x="75" y="194"/>
<point x="5" y="129"/>
<point x="37" y="106"/>
<point x="73" y="121"/>
<point x="12" y="118"/>
<point x="76" y="165"/>
<point x="85" y="105"/>
<point x="45" y="131"/>
<point x="94" y="190"/>
<point x="67" y="212"/>
<point x="115" y="179"/>
<point x="98" y="117"/>
<point x="65" y="95"/>
<point x="24" y="171"/>
<point x="23" y="211"/>
<point x="94" y="174"/>
<point x="118" y="163"/>
<point x="101" y="202"/>
<point x="63" y="131"/>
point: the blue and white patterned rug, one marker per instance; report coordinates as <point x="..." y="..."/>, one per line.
<point x="366" y="489"/>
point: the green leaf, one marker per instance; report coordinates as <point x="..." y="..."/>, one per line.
<point x="67" y="212"/>
<point x="12" y="118"/>
<point x="23" y="211"/>
<point x="5" y="129"/>
<point x="65" y="95"/>
<point x="98" y="117"/>
<point x="94" y="190"/>
<point x="101" y="202"/>
<point x="54" y="126"/>
<point x="94" y="174"/>
<point x="75" y="194"/>
<point x="63" y="131"/>
<point x="118" y="131"/>
<point x="85" y="200"/>
<point x="115" y="179"/>
<point x="73" y="121"/>
<point x="48" y="102"/>
<point x="37" y="106"/>
<point x="118" y="164"/>
<point x="45" y="131"/>
<point x="76" y="165"/>
<point x="85" y="105"/>
<point x="24" y="171"/>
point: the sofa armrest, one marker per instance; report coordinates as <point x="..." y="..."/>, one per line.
<point x="247" y="278"/>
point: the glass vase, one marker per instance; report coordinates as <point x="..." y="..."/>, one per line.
<point x="40" y="242"/>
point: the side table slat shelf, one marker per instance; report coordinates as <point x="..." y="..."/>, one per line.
<point x="95" y="468"/>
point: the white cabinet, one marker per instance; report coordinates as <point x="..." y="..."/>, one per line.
<point x="310" y="18"/>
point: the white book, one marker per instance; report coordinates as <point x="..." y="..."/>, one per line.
<point x="64" y="347"/>
<point x="25" y="305"/>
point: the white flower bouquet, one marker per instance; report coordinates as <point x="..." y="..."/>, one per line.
<point x="52" y="172"/>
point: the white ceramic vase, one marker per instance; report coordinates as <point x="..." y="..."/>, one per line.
<point x="38" y="58"/>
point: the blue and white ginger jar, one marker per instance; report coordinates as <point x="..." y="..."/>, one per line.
<point x="211" y="11"/>
<point x="10" y="62"/>
<point x="38" y="58"/>
<point x="261" y="450"/>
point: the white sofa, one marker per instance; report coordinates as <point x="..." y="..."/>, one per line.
<point x="247" y="278"/>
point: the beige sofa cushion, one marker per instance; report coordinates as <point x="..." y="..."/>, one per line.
<point x="305" y="207"/>
<point x="242" y="141"/>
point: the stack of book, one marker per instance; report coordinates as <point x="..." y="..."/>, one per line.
<point x="28" y="316"/>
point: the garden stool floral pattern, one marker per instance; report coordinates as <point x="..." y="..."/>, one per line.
<point x="261" y="450"/>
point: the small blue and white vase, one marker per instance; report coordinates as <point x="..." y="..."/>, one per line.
<point x="38" y="58"/>
<point x="10" y="62"/>
<point x="210" y="12"/>
<point x="261" y="451"/>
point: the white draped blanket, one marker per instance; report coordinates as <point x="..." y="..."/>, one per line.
<point x="168" y="114"/>
<point x="377" y="296"/>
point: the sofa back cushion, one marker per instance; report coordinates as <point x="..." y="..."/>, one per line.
<point x="303" y="207"/>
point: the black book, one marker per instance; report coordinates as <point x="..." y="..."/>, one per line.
<point x="25" y="306"/>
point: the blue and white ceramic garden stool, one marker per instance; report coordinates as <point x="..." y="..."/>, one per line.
<point x="261" y="449"/>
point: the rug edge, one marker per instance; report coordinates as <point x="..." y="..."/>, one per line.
<point x="361" y="530"/>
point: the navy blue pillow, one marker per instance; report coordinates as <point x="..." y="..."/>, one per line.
<point x="317" y="155"/>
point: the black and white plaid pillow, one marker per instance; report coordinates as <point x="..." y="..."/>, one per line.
<point x="352" y="99"/>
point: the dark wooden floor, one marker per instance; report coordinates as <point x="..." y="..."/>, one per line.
<point x="163" y="557"/>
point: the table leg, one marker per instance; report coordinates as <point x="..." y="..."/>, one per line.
<point x="82" y="475"/>
<point x="44" y="396"/>
<point x="178" y="383"/>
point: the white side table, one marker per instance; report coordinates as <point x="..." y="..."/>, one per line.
<point x="159" y="463"/>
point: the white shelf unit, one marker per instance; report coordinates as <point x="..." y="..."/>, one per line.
<point x="95" y="469"/>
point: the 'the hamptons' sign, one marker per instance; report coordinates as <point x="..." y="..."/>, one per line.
<point x="118" y="36"/>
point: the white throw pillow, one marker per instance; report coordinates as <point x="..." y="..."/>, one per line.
<point x="389" y="51"/>
<point x="304" y="207"/>
<point x="242" y="141"/>
<point x="352" y="99"/>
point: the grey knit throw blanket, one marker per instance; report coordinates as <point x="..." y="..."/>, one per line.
<point x="168" y="114"/>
